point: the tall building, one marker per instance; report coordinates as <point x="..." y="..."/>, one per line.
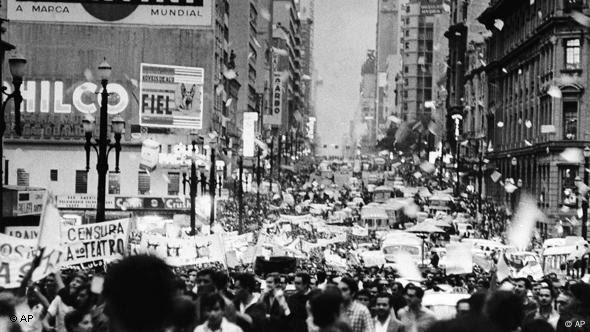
<point x="366" y="119"/>
<point x="423" y="26"/>
<point x="306" y="15"/>
<point x="388" y="59"/>
<point x="148" y="45"/>
<point x="537" y="95"/>
<point x="246" y="48"/>
<point x="466" y="116"/>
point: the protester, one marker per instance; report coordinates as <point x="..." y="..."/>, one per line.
<point x="385" y="320"/>
<point x="414" y="315"/>
<point x="357" y="315"/>
<point x="214" y="308"/>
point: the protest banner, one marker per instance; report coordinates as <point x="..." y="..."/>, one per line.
<point x="184" y="251"/>
<point x="22" y="232"/>
<point x="458" y="259"/>
<point x="86" y="243"/>
<point x="16" y="257"/>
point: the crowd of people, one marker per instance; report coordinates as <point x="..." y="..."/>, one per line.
<point x="142" y="293"/>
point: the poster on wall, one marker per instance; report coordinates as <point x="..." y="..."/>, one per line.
<point x="195" y="13"/>
<point x="171" y="96"/>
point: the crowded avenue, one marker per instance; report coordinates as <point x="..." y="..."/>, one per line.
<point x="294" y="166"/>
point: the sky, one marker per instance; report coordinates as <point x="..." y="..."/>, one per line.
<point x="344" y="31"/>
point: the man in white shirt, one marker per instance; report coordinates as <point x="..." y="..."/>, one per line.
<point x="214" y="308"/>
<point x="384" y="318"/>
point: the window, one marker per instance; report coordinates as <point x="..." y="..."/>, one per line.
<point x="407" y="33"/>
<point x="81" y="182"/>
<point x="173" y="184"/>
<point x="572" y="54"/>
<point x="22" y="177"/>
<point x="114" y="183"/>
<point x="407" y="46"/>
<point x="570" y="120"/>
<point x="568" y="185"/>
<point x="143" y="183"/>
<point x="53" y="175"/>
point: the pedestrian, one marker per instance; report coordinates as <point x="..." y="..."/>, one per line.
<point x="139" y="294"/>
<point x="251" y="314"/>
<point x="214" y="311"/>
<point x="275" y="303"/>
<point x="414" y="316"/>
<point x="297" y="303"/>
<point x="546" y="310"/>
<point x="385" y="320"/>
<point x="434" y="259"/>
<point x="357" y="315"/>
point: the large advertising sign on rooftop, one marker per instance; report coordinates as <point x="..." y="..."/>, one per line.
<point x="194" y="13"/>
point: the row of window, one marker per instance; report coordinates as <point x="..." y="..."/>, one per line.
<point x="113" y="181"/>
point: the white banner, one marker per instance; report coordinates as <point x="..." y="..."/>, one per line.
<point x="196" y="13"/>
<point x="185" y="251"/>
<point x="458" y="259"/>
<point x="16" y="256"/>
<point x="86" y="243"/>
<point x="22" y="232"/>
<point x="248" y="134"/>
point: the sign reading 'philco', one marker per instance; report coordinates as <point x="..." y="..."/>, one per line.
<point x="152" y="12"/>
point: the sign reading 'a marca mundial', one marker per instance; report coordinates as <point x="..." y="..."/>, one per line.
<point x="152" y="12"/>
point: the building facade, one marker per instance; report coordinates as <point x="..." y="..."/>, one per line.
<point x="536" y="75"/>
<point x="61" y="81"/>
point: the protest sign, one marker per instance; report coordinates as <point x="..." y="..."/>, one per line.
<point x="86" y="243"/>
<point x="184" y="251"/>
<point x="16" y="257"/>
<point x="22" y="232"/>
<point x="459" y="259"/>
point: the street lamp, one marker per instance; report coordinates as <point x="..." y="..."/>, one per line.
<point x="192" y="182"/>
<point x="103" y="145"/>
<point x="585" y="199"/>
<point x="17" y="64"/>
<point x="513" y="162"/>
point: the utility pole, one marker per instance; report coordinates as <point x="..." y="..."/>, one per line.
<point x="258" y="179"/>
<point x="212" y="186"/>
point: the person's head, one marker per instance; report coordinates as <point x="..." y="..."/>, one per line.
<point x="325" y="307"/>
<point x="220" y="280"/>
<point x="521" y="286"/>
<point x="348" y="288"/>
<point x="205" y="281"/>
<point x="564" y="300"/>
<point x="78" y="321"/>
<point x="184" y="313"/>
<point x="139" y="293"/>
<point x="581" y="296"/>
<point x="244" y="286"/>
<point x="273" y="281"/>
<point x="413" y="295"/>
<point x="477" y="302"/>
<point x="7" y="304"/>
<point x="545" y="297"/>
<point x="192" y="276"/>
<point x="50" y="283"/>
<point x="321" y="277"/>
<point x="213" y="308"/>
<point x="301" y="282"/>
<point x="383" y="305"/>
<point x="463" y="307"/>
<point x="77" y="281"/>
<point x="536" y="289"/>
<point x="397" y="288"/>
<point x="505" y="309"/>
<point x="363" y="297"/>
<point x="85" y="298"/>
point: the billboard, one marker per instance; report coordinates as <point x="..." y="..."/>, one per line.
<point x="54" y="109"/>
<point x="171" y="96"/>
<point x="431" y="7"/>
<point x="194" y="13"/>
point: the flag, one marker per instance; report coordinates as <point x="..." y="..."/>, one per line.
<point x="49" y="224"/>
<point x="503" y="271"/>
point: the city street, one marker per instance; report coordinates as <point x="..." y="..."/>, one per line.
<point x="294" y="166"/>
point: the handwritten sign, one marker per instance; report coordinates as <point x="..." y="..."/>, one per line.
<point x="22" y="232"/>
<point x="184" y="251"/>
<point x="106" y="240"/>
<point x="16" y="256"/>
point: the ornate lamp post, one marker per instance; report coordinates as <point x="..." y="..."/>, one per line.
<point x="103" y="145"/>
<point x="585" y="200"/>
<point x="17" y="64"/>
